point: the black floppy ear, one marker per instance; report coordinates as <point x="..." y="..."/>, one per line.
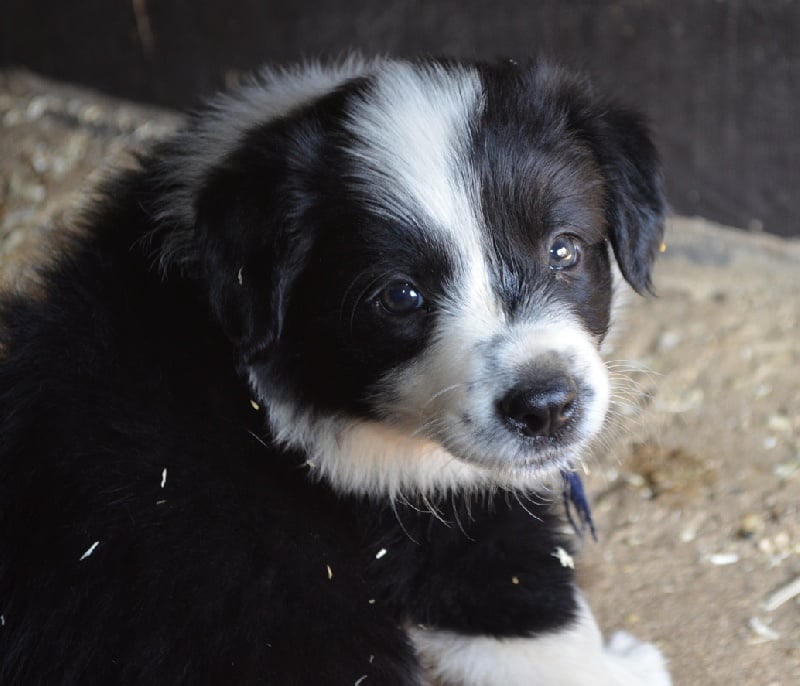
<point x="635" y="203"/>
<point x="248" y="250"/>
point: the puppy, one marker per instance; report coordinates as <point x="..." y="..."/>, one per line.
<point x="290" y="409"/>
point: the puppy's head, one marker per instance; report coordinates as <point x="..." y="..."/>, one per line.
<point x="416" y="262"/>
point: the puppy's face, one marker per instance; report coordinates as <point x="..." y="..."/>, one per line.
<point x="417" y="271"/>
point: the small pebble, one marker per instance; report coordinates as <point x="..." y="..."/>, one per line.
<point x="779" y="422"/>
<point x="750" y="525"/>
<point x="786" y="470"/>
<point x="763" y="390"/>
<point x="723" y="559"/>
<point x="36" y="108"/>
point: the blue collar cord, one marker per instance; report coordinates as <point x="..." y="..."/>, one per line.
<point x="575" y="501"/>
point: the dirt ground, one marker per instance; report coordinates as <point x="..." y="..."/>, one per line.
<point x="696" y="488"/>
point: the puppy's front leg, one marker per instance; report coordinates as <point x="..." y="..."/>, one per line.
<point x="574" y="656"/>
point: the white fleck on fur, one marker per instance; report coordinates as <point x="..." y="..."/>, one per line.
<point x="564" y="558"/>
<point x="89" y="552"/>
<point x="574" y="656"/>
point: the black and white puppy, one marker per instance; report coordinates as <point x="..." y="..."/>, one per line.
<point x="289" y="409"/>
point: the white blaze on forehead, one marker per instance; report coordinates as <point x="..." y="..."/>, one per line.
<point x="413" y="129"/>
<point x="413" y="147"/>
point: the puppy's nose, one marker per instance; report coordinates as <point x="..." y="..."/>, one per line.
<point x="540" y="409"/>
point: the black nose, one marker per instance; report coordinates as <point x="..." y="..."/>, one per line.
<point x="540" y="409"/>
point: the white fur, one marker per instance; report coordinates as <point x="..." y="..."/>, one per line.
<point x="369" y="457"/>
<point x="411" y="134"/>
<point x="574" y="656"/>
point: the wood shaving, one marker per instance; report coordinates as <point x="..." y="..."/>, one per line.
<point x="564" y="558"/>
<point x="330" y="572"/>
<point x="762" y="631"/>
<point x="380" y="553"/>
<point x="164" y="478"/>
<point x="89" y="551"/>
<point x="723" y="559"/>
<point x="255" y="405"/>
<point x="782" y="595"/>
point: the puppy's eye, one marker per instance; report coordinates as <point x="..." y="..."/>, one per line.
<point x="400" y="297"/>
<point x="564" y="252"/>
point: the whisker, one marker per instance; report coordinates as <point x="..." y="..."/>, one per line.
<point x="457" y="518"/>
<point x="519" y="502"/>
<point x="440" y="393"/>
<point x="400" y="520"/>
<point x="433" y="510"/>
<point x="428" y="424"/>
<point x="258" y="438"/>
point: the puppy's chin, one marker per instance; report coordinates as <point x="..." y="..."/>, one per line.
<point x="368" y="457"/>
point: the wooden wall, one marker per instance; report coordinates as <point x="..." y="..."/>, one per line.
<point x="720" y="79"/>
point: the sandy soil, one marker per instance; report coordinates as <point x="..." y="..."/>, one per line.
<point x="696" y="489"/>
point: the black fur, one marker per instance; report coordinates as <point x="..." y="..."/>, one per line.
<point x="241" y="569"/>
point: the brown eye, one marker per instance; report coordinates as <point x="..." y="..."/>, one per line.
<point x="401" y="297"/>
<point x="564" y="252"/>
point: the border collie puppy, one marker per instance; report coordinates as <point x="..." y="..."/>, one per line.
<point x="290" y="406"/>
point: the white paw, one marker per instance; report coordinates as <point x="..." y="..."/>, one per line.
<point x="635" y="663"/>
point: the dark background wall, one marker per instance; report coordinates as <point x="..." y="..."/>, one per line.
<point x="720" y="79"/>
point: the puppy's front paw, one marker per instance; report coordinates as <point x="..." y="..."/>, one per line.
<point x="634" y="662"/>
